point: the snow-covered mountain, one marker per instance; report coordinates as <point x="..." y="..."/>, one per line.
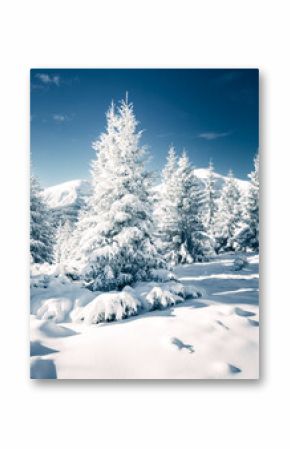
<point x="67" y="198"/>
<point x="67" y="193"/>
<point x="202" y="173"/>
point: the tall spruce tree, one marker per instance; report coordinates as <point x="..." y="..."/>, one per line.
<point x="248" y="237"/>
<point x="229" y="215"/>
<point x="165" y="217"/>
<point x="62" y="242"/>
<point x="41" y="229"/>
<point x="211" y="208"/>
<point x="114" y="236"/>
<point x="182" y="198"/>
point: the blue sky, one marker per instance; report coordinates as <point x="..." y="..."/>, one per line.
<point x="212" y="113"/>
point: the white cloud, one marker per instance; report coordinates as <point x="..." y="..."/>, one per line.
<point x="48" y="79"/>
<point x="61" y="118"/>
<point x="213" y="135"/>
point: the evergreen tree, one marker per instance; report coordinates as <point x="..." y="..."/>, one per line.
<point x="114" y="235"/>
<point x="229" y="215"/>
<point x="62" y="242"/>
<point x="165" y="211"/>
<point x="211" y="197"/>
<point x="41" y="230"/>
<point x="248" y="237"/>
<point x="182" y="234"/>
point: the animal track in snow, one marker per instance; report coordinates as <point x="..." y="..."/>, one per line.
<point x="220" y="323"/>
<point x="180" y="345"/>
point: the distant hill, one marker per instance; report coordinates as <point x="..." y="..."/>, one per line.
<point x="202" y="173"/>
<point x="68" y="198"/>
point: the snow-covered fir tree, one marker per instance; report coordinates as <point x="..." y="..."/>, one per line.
<point x="248" y="237"/>
<point x="165" y="215"/>
<point x="41" y="229"/>
<point x="229" y="215"/>
<point x="114" y="238"/>
<point x="182" y="236"/>
<point x="211" y="207"/>
<point x="62" y="247"/>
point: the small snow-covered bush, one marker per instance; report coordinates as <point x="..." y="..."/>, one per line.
<point x="159" y="298"/>
<point x="177" y="288"/>
<point x="109" y="307"/>
<point x="57" y="298"/>
<point x="162" y="275"/>
<point x="46" y="275"/>
<point x="186" y="292"/>
<point x="144" y="297"/>
<point x="53" y="295"/>
<point x="240" y="262"/>
<point x="55" y="309"/>
<point x="192" y="292"/>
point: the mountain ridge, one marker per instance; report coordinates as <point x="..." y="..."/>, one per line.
<point x="67" y="198"/>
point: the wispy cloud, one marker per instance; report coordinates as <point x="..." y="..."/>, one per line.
<point x="61" y="118"/>
<point x="48" y="79"/>
<point x="213" y="135"/>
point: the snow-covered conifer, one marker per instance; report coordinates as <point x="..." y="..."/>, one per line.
<point x="229" y="215"/>
<point x="165" y="214"/>
<point x="114" y="243"/>
<point x="248" y="237"/>
<point x="41" y="229"/>
<point x="211" y="207"/>
<point x="182" y="198"/>
<point x="63" y="237"/>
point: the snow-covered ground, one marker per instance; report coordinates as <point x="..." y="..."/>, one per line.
<point x="212" y="337"/>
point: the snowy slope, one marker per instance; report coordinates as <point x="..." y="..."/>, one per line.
<point x="67" y="199"/>
<point x="213" y="337"/>
<point x="66" y="194"/>
<point x="70" y="194"/>
<point x="202" y="173"/>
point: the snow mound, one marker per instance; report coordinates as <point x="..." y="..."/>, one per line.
<point x="53" y="330"/>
